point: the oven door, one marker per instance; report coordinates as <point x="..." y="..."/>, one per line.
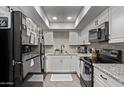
<point x="87" y="75"/>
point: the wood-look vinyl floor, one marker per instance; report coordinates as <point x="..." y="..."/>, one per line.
<point x="31" y="83"/>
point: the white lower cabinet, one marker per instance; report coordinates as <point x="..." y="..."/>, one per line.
<point x="103" y="80"/>
<point x="78" y="67"/>
<point x="60" y="64"/>
<point x="81" y="67"/>
<point x="98" y="82"/>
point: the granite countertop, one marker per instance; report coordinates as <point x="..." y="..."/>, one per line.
<point x="115" y="71"/>
<point x="70" y="54"/>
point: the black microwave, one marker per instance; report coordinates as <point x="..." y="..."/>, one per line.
<point x="100" y="34"/>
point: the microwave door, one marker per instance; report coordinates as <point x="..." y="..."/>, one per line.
<point x="93" y="35"/>
<point x="99" y="33"/>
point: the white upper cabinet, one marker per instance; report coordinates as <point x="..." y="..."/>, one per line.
<point x="48" y="38"/>
<point x="84" y="39"/>
<point x="116" y="18"/>
<point x="84" y="36"/>
<point x="73" y="38"/>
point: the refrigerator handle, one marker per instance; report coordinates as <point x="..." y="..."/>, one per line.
<point x="16" y="62"/>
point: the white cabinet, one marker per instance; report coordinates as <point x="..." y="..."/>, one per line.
<point x="73" y="38"/>
<point x="53" y="64"/>
<point x="116" y="19"/>
<point x="84" y="38"/>
<point x="81" y="67"/>
<point x="31" y="65"/>
<point x="48" y="38"/>
<point x="78" y="67"/>
<point x="103" y="80"/>
<point x="26" y="65"/>
<point x="60" y="64"/>
<point x="73" y="62"/>
<point x="99" y="82"/>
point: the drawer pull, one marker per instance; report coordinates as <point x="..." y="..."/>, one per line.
<point x="103" y="77"/>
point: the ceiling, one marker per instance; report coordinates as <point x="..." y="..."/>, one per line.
<point x="62" y="12"/>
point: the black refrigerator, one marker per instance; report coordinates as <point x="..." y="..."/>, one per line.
<point x="18" y="27"/>
<point x="6" y="51"/>
<point x="12" y="27"/>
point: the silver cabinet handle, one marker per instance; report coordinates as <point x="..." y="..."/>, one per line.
<point x="103" y="77"/>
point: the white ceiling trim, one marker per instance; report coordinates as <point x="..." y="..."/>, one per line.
<point x="62" y="25"/>
<point x="42" y="14"/>
<point x="81" y="15"/>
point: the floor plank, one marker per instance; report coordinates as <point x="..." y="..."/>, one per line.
<point x="31" y="83"/>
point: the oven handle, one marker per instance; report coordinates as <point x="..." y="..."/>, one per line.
<point x="103" y="77"/>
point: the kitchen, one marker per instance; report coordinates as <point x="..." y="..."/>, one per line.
<point x="62" y="46"/>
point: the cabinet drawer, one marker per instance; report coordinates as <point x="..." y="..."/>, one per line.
<point x="98" y="82"/>
<point x="107" y="79"/>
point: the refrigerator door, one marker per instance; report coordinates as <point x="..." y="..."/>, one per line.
<point x="6" y="63"/>
<point x="17" y="28"/>
<point x="6" y="50"/>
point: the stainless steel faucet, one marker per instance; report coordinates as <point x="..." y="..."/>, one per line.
<point x="62" y="46"/>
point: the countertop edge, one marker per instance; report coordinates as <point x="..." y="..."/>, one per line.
<point x="109" y="74"/>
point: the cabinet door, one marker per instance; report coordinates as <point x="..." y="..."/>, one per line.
<point x="65" y="65"/>
<point x="73" y="38"/>
<point x="84" y="40"/>
<point x="78" y="67"/>
<point x="48" y="38"/>
<point x="73" y="62"/>
<point x="116" y="24"/>
<point x="36" y="39"/>
<point x="60" y="64"/>
<point x="53" y="64"/>
<point x="36" y="67"/>
<point x="26" y="65"/>
<point x="104" y="79"/>
<point x="81" y="67"/>
<point x="98" y="80"/>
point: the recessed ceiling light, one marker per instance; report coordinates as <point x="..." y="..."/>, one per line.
<point x="69" y="18"/>
<point x="54" y="18"/>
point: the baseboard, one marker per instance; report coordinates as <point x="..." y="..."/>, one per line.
<point x="60" y="72"/>
<point x="35" y="73"/>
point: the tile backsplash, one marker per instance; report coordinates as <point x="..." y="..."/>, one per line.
<point x="106" y="45"/>
<point x="61" y="38"/>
